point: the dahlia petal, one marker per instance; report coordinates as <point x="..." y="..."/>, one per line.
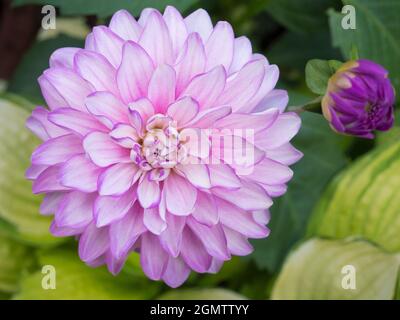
<point x="125" y="232"/>
<point x="215" y="266"/>
<point x="183" y="110"/>
<point x="125" y="26"/>
<point x="207" y="87"/>
<point x="242" y="52"/>
<point x="74" y="120"/>
<point x="63" y="57"/>
<point x="270" y="172"/>
<point x="50" y="94"/>
<point x="194" y="253"/>
<point x="96" y="69"/>
<point x="240" y="89"/>
<point x="197" y="174"/>
<point x="191" y="63"/>
<point x="271" y="77"/>
<point x="125" y="135"/>
<point x="135" y="72"/>
<point x="275" y="99"/>
<point x="64" y="231"/>
<point x="48" y="181"/>
<point x="206" y="210"/>
<point x="262" y="216"/>
<point x="156" y="40"/>
<point x="286" y="154"/>
<point x="199" y="21"/>
<point x="114" y="265"/>
<point x="143" y="107"/>
<point x="34" y="171"/>
<point x="240" y="221"/>
<point x="275" y="190"/>
<point x="148" y="192"/>
<point x="237" y="243"/>
<point x="213" y="238"/>
<point x="70" y="86"/>
<point x="176" y="272"/>
<point x="153" y="258"/>
<point x="171" y="237"/>
<point x="222" y="175"/>
<point x="144" y="15"/>
<point x="50" y="203"/>
<point x="197" y="144"/>
<point x="93" y="242"/>
<point x="107" y="108"/>
<point x="250" y="196"/>
<point x="219" y="46"/>
<point x="153" y="221"/>
<point x="117" y="179"/>
<point x="244" y="121"/>
<point x="103" y="151"/>
<point x="108" y="44"/>
<point x="280" y="132"/>
<point x="162" y="88"/>
<point x="180" y="195"/>
<point x="80" y="173"/>
<point x="75" y="210"/>
<point x="207" y="118"/>
<point x="41" y="126"/>
<point x="108" y="209"/>
<point x="57" y="150"/>
<point x="176" y="27"/>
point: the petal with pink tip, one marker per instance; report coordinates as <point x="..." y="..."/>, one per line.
<point x="286" y="154"/>
<point x="144" y="107"/>
<point x="124" y="25"/>
<point x="222" y="175"/>
<point x="237" y="243"/>
<point x="50" y="203"/>
<point x="148" y="192"/>
<point x="117" y="179"/>
<point x="108" y="44"/>
<point x="241" y="54"/>
<point x="219" y="46"/>
<point x="275" y="99"/>
<point x="171" y="237"/>
<point x="153" y="221"/>
<point x="48" y="181"/>
<point x="153" y="258"/>
<point x="162" y="88"/>
<point x="93" y="242"/>
<point x="176" y="272"/>
<point x="41" y="126"/>
<point x="180" y="195"/>
<point x="156" y="40"/>
<point x="176" y="27"/>
<point x="63" y="57"/>
<point x="51" y="95"/>
<point x="183" y="110"/>
<point x="194" y="253"/>
<point x="103" y="150"/>
<point x="80" y="173"/>
<point x="57" y="150"/>
<point x="199" y="21"/>
<point x="125" y="135"/>
<point x="108" y="209"/>
<point x="197" y="174"/>
<point x="206" y="210"/>
<point x="270" y="172"/>
<point x="206" y="118"/>
<point x="134" y="74"/>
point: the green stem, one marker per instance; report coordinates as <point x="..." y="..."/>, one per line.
<point x="312" y="106"/>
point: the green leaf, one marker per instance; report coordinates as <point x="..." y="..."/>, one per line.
<point x="76" y="281"/>
<point x="15" y="259"/>
<point x="318" y="73"/>
<point x="301" y="16"/>
<point x="201" y="294"/>
<point x="364" y="201"/>
<point x="19" y="208"/>
<point x="377" y="33"/>
<point x="323" y="157"/>
<point x="314" y="271"/>
<point x="36" y="60"/>
<point x="105" y="8"/>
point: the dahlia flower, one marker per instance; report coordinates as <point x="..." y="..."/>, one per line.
<point x="130" y="159"/>
<point x="359" y="99"/>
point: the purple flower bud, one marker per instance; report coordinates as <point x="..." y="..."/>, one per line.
<point x="359" y="99"/>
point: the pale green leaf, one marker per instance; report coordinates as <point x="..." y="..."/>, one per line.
<point x="314" y="271"/>
<point x="201" y="294"/>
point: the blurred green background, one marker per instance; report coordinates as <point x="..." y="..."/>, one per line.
<point x="342" y="207"/>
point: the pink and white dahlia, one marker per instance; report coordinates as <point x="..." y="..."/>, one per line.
<point x="163" y="136"/>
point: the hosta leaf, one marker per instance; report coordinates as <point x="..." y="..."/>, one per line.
<point x="364" y="201"/>
<point x="323" y="157"/>
<point x="76" y="281"/>
<point x="314" y="271"/>
<point x="201" y="294"/>
<point x="377" y="33"/>
<point x="15" y="258"/>
<point x="19" y="208"/>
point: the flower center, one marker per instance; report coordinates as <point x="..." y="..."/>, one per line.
<point x="160" y="147"/>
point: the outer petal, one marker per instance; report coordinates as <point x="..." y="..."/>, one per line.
<point x="80" y="173"/>
<point x="118" y="178"/>
<point x="180" y="195"/>
<point x="108" y="209"/>
<point x="222" y="175"/>
<point x="41" y="126"/>
<point x="50" y="203"/>
<point x="270" y="172"/>
<point x="63" y="57"/>
<point x="149" y="192"/>
<point x="103" y="151"/>
<point x="275" y="99"/>
<point x="153" y="258"/>
<point x="171" y="237"/>
<point x="176" y="272"/>
<point x="242" y="52"/>
<point x="93" y="243"/>
<point x="219" y="46"/>
<point x="153" y="222"/>
<point x="197" y="174"/>
<point x="237" y="243"/>
<point x="176" y="27"/>
<point x="194" y="253"/>
<point x="48" y="181"/>
<point x="156" y="40"/>
<point x="124" y="25"/>
<point x="206" y="210"/>
<point x="135" y="72"/>
<point x="199" y="21"/>
<point x="285" y="154"/>
<point x="108" y="44"/>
